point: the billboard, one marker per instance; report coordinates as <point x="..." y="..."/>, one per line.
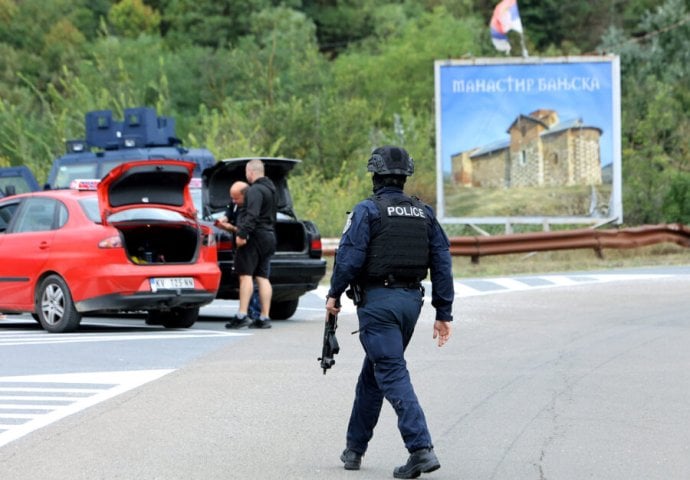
<point x="528" y="140"/>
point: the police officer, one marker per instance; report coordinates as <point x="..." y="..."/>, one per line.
<point x="389" y="242"/>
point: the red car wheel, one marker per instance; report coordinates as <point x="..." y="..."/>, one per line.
<point x="54" y="306"/>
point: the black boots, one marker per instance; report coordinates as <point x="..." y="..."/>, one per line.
<point x="420" y="461"/>
<point x="351" y="459"/>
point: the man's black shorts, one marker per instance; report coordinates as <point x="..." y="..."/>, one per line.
<point x="254" y="257"/>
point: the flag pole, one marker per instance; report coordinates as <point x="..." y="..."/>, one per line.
<point x="522" y="44"/>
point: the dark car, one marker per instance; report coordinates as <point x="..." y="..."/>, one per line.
<point x="297" y="266"/>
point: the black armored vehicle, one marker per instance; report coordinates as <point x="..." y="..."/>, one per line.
<point x="141" y="135"/>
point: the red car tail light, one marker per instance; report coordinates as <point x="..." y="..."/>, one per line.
<point x="111" y="242"/>
<point x="224" y="244"/>
<point x="208" y="239"/>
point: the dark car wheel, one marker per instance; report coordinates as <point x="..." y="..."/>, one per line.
<point x="54" y="306"/>
<point x="283" y="310"/>
<point x="175" y="318"/>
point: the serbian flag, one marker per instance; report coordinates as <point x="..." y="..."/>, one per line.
<point x="506" y="17"/>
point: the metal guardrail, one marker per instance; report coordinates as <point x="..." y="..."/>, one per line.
<point x="634" y="237"/>
<point x="479" y="246"/>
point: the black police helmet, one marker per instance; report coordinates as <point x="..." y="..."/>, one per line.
<point x="390" y="160"/>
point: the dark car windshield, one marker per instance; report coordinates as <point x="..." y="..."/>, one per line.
<point x="67" y="173"/>
<point x="71" y="171"/>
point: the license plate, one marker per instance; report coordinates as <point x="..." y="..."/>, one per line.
<point x="171" y="283"/>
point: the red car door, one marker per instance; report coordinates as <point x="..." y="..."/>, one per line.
<point x="26" y="246"/>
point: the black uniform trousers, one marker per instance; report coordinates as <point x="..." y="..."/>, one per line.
<point x="386" y="323"/>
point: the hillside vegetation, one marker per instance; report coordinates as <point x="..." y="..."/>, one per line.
<point x="325" y="81"/>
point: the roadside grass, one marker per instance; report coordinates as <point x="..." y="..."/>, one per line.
<point x="536" y="263"/>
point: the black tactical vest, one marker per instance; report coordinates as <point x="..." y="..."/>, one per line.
<point x="401" y="247"/>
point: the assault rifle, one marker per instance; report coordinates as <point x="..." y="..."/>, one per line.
<point x="330" y="343"/>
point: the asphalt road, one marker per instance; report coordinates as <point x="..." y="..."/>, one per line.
<point x="584" y="380"/>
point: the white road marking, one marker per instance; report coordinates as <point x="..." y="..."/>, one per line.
<point x="464" y="288"/>
<point x="41" y="337"/>
<point x="511" y="284"/>
<point x="559" y="280"/>
<point x="62" y="395"/>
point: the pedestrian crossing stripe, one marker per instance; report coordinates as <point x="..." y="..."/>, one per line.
<point x="485" y="286"/>
<point x="40" y="337"/>
<point x="30" y="402"/>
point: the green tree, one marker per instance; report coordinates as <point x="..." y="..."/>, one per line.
<point x="88" y="15"/>
<point x="8" y="9"/>
<point x="131" y="18"/>
<point x="119" y="73"/>
<point x="656" y="153"/>
<point x="398" y="69"/>
<point x="211" y="23"/>
<point x="340" y="22"/>
<point x="62" y="44"/>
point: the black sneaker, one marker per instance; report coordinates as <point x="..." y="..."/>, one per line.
<point x="238" y="322"/>
<point x="259" y="323"/>
<point x="351" y="459"/>
<point x="420" y="461"/>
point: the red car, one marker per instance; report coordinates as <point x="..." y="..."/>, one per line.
<point x="130" y="242"/>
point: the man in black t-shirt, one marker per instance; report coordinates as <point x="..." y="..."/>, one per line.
<point x="256" y="243"/>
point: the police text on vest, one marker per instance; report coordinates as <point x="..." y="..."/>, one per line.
<point x="409" y="211"/>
